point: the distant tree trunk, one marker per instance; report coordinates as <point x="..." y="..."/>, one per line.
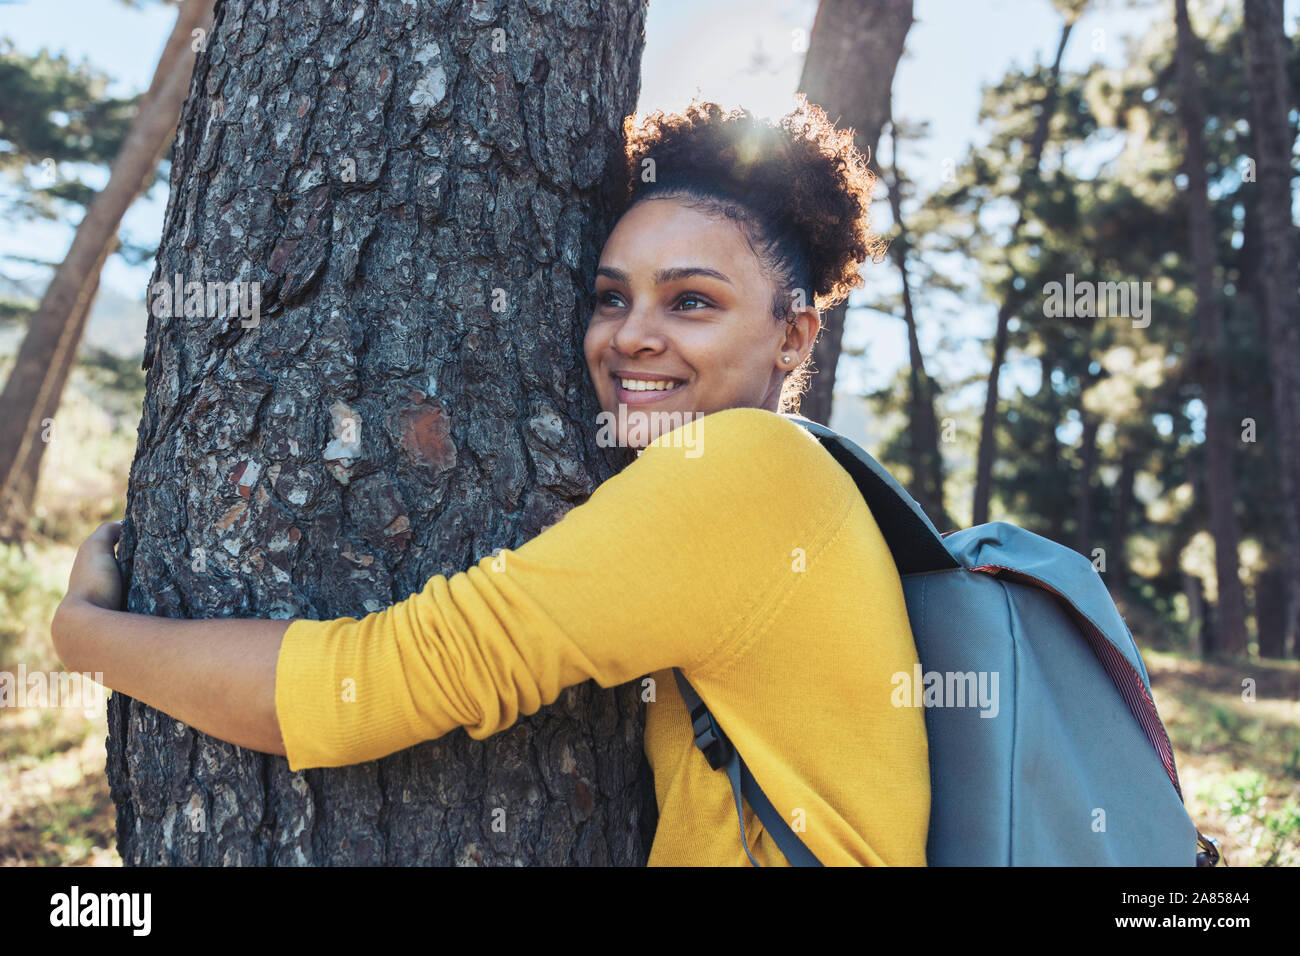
<point x="923" y="430"/>
<point x="1220" y="444"/>
<point x="23" y="500"/>
<point x="421" y="191"/>
<point x="1087" y="475"/>
<point x="34" y="384"/>
<point x="1013" y="299"/>
<point x="848" y="71"/>
<point x="1198" y="637"/>
<point x="1270" y="103"/>
<point x="1270" y="610"/>
<point x="1050" y="462"/>
<point x="1117" y="561"/>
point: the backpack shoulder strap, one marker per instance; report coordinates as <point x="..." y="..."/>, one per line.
<point x="910" y="535"/>
<point x="720" y="752"/>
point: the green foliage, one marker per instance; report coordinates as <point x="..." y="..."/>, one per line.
<point x="13" y="312"/>
<point x="1106" y="206"/>
<point x="120" y="376"/>
<point x="56" y="122"/>
<point x="1274" y="835"/>
<point x="51" y="109"/>
<point x="1292" y="767"/>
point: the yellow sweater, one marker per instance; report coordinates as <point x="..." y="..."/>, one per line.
<point x="735" y="548"/>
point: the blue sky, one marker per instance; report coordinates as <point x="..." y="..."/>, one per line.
<point x="705" y="46"/>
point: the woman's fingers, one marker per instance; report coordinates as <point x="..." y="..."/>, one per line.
<point x="95" y="577"/>
<point x="109" y="532"/>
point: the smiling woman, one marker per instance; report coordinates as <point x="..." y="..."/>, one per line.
<point x="735" y="233"/>
<point x="742" y="568"/>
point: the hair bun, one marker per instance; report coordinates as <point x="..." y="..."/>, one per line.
<point x="804" y="180"/>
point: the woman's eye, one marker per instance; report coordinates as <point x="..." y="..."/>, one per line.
<point x="603" y="298"/>
<point x="703" y="303"/>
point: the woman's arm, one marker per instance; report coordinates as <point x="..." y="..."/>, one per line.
<point x="215" y="675"/>
<point x="673" y="562"/>
<point x="676" y="561"/>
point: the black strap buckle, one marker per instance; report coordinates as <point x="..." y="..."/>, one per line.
<point x="709" y="738"/>
<point x="1208" y="852"/>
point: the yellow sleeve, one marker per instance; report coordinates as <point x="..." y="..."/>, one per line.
<point x="667" y="564"/>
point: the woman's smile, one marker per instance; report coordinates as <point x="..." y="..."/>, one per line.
<point x="643" y="388"/>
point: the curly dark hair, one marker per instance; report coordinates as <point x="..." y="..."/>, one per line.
<point x="799" y="190"/>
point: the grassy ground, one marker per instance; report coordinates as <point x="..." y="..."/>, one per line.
<point x="54" y="803"/>
<point x="1238" y="753"/>
<point x="56" y="809"/>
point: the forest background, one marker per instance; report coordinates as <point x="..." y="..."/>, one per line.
<point x="1033" y="149"/>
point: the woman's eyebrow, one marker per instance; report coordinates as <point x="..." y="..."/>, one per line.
<point x="686" y="272"/>
<point x="666" y="275"/>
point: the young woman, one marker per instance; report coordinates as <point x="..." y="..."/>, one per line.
<point x="734" y="547"/>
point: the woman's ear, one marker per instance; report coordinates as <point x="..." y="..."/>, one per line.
<point x="800" y="333"/>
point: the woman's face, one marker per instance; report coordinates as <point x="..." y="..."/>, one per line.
<point x="682" y="299"/>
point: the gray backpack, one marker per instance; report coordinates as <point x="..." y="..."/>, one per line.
<point x="1045" y="745"/>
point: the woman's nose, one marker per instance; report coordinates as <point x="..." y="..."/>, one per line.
<point x="638" y="331"/>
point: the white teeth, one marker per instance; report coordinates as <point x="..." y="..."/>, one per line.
<point x="636" y="385"/>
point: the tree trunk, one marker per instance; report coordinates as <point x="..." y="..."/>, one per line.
<point x="421" y="191"/>
<point x="848" y="71"/>
<point x="1270" y="101"/>
<point x="54" y="333"/>
<point x="1270" y="610"/>
<point x="23" y="500"/>
<point x="1087" y="475"/>
<point x="1197" y="631"/>
<point x="1220" y="443"/>
<point x="1117" y="561"/>
<point x="1050" y="462"/>
<point x="923" y="433"/>
<point x="1013" y="299"/>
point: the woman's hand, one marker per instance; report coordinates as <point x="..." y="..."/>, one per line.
<point x="218" y="676"/>
<point x="95" y="578"/>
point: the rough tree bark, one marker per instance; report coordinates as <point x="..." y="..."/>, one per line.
<point x="848" y="71"/>
<point x="421" y="191"/>
<point x="1270" y="103"/>
<point x="31" y="394"/>
<point x="1220" y="441"/>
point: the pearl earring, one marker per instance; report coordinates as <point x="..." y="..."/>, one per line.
<point x="785" y="358"/>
